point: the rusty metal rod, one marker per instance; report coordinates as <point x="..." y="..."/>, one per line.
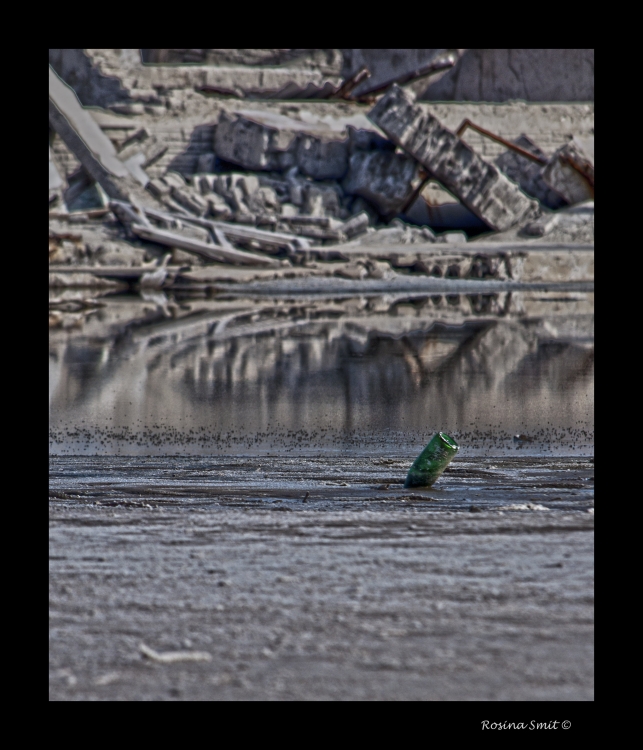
<point x="343" y="92"/>
<point x="583" y="166"/>
<point x="424" y="178"/>
<point x="523" y="152"/>
<point x="425" y="70"/>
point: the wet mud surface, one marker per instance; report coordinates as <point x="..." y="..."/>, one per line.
<point x="227" y="513"/>
<point x="317" y="579"/>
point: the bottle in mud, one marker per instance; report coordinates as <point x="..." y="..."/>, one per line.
<point x="433" y="460"/>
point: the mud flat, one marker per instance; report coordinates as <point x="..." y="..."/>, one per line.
<point x="194" y="578"/>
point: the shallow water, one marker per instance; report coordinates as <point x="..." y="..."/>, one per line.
<point x="317" y="376"/>
<point x="226" y="480"/>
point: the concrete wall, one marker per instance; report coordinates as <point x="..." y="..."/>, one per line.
<point x="103" y="77"/>
<point x="535" y="75"/>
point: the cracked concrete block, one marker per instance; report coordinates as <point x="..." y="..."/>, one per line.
<point x="158" y="188"/>
<point x="241" y="141"/>
<point x="235" y="189"/>
<point x="249" y="183"/>
<point x="260" y="146"/>
<point x="384" y="178"/>
<point x="527" y="173"/>
<point x="288" y="210"/>
<point x="356" y="225"/>
<point x="459" y="238"/>
<point x="367" y="140"/>
<point x="189" y="200"/>
<point x="322" y="159"/>
<point x="263" y="200"/>
<point x="574" y="183"/>
<point x="236" y="198"/>
<point x="252" y="145"/>
<point x="479" y="185"/>
<point x="218" y="208"/>
<point x="321" y="200"/>
<point x="204" y="182"/>
<point x="174" y="179"/>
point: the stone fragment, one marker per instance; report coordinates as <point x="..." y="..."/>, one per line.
<point x="174" y="179"/>
<point x="321" y="200"/>
<point x="356" y="225"/>
<point x="252" y="145"/>
<point x="289" y="210"/>
<point x="204" y="182"/>
<point x="570" y="171"/>
<point x="321" y="158"/>
<point x="263" y="201"/>
<point x="190" y="200"/>
<point x="260" y="146"/>
<point x="249" y="183"/>
<point x="367" y="140"/>
<point x="527" y="173"/>
<point x="158" y="188"/>
<point x="453" y="237"/>
<point x="218" y="208"/>
<point x="479" y="185"/>
<point x="385" y="179"/>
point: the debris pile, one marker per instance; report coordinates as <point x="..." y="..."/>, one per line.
<point x="274" y="190"/>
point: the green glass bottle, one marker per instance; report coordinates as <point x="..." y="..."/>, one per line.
<point x="433" y="460"/>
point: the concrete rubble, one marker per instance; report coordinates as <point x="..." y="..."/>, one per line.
<point x="317" y="197"/>
<point x="480" y="186"/>
<point x="570" y="171"/>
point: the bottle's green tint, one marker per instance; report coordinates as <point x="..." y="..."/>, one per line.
<point x="433" y="460"/>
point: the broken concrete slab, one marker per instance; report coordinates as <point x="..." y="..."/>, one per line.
<point x="384" y="178"/>
<point x="574" y="221"/>
<point x="205" y="250"/>
<point x="272" y="241"/>
<point x="479" y="185"/>
<point x="570" y="171"/>
<point x="89" y="144"/>
<point x="360" y="139"/>
<point x="320" y="199"/>
<point x="527" y="173"/>
<point x="190" y="201"/>
<point x="357" y="225"/>
<point x="572" y="225"/>
<point x="252" y="145"/>
<point x="261" y="146"/>
<point x="321" y="158"/>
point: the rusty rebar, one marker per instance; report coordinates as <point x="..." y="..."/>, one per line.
<point x="344" y="91"/>
<point x="433" y="67"/>
<point x="488" y="134"/>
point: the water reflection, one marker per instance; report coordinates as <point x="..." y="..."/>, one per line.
<point x="156" y="374"/>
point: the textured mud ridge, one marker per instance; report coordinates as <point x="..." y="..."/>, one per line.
<point x="319" y="483"/>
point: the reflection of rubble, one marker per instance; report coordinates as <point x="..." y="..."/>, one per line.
<point x="435" y="353"/>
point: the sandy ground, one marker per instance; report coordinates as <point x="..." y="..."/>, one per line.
<point x="268" y="594"/>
